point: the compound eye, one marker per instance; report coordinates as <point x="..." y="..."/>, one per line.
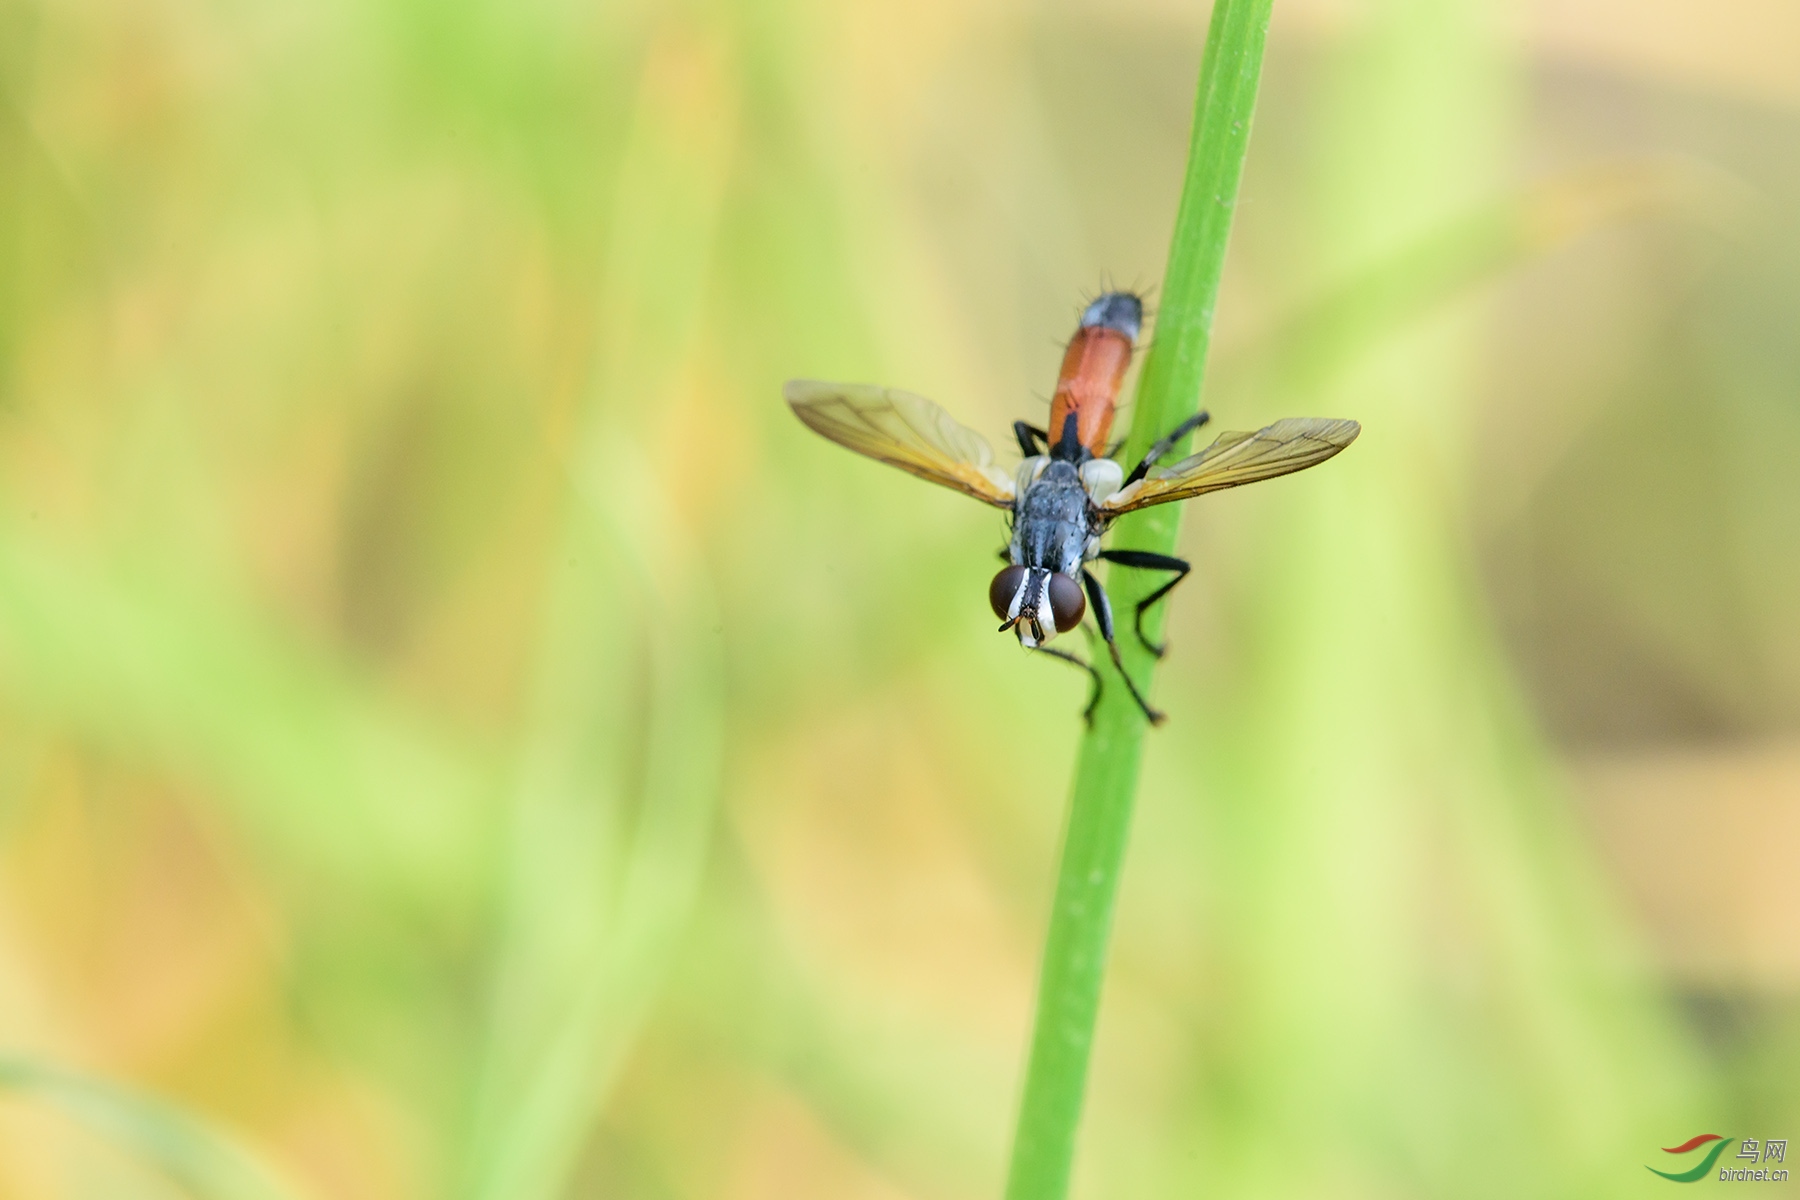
<point x="1067" y="604"/>
<point x="1005" y="586"/>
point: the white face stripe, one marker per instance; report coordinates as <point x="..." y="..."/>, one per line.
<point x="1022" y="608"/>
<point x="1033" y="600"/>
<point x="1018" y="600"/>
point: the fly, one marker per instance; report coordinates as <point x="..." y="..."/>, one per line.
<point x="1069" y="488"/>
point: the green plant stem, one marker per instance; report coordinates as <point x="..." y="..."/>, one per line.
<point x="1107" y="770"/>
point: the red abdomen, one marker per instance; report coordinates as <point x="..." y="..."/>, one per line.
<point x="1093" y="367"/>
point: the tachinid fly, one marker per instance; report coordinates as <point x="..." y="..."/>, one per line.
<point x="1069" y="488"/>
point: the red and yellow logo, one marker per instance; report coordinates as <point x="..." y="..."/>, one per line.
<point x="1705" y="1165"/>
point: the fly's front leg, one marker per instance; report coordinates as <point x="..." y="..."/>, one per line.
<point x="1087" y="714"/>
<point x="1026" y="432"/>
<point x="1144" y="560"/>
<point x="1164" y="445"/>
<point x="1103" y="616"/>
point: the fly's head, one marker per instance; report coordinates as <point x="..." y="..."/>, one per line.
<point x="1036" y="603"/>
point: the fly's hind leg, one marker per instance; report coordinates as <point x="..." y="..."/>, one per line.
<point x="1103" y="615"/>
<point x="1087" y="714"/>
<point x="1030" y="436"/>
<point x="1144" y="560"/>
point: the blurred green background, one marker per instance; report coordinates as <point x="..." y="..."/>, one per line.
<point x="461" y="737"/>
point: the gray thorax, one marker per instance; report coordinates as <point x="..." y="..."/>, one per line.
<point x="1055" y="523"/>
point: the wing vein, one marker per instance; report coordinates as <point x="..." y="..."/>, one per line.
<point x="1235" y="459"/>
<point x="902" y="430"/>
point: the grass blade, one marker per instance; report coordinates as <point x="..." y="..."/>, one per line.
<point x="1106" y="772"/>
<point x="206" y="1162"/>
<point x="620" y="775"/>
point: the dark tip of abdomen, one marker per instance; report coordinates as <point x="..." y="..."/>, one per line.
<point x="1119" y="311"/>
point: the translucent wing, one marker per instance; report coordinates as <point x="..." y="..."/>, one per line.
<point x="1235" y="458"/>
<point x="907" y="431"/>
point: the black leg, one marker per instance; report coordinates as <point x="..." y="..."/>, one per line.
<point x="1103" y="615"/>
<point x="1162" y="447"/>
<point x="1029" y="436"/>
<point x="1087" y="714"/>
<point x="1144" y="560"/>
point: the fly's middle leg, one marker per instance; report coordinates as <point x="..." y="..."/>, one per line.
<point x="1144" y="560"/>
<point x="1103" y="616"/>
